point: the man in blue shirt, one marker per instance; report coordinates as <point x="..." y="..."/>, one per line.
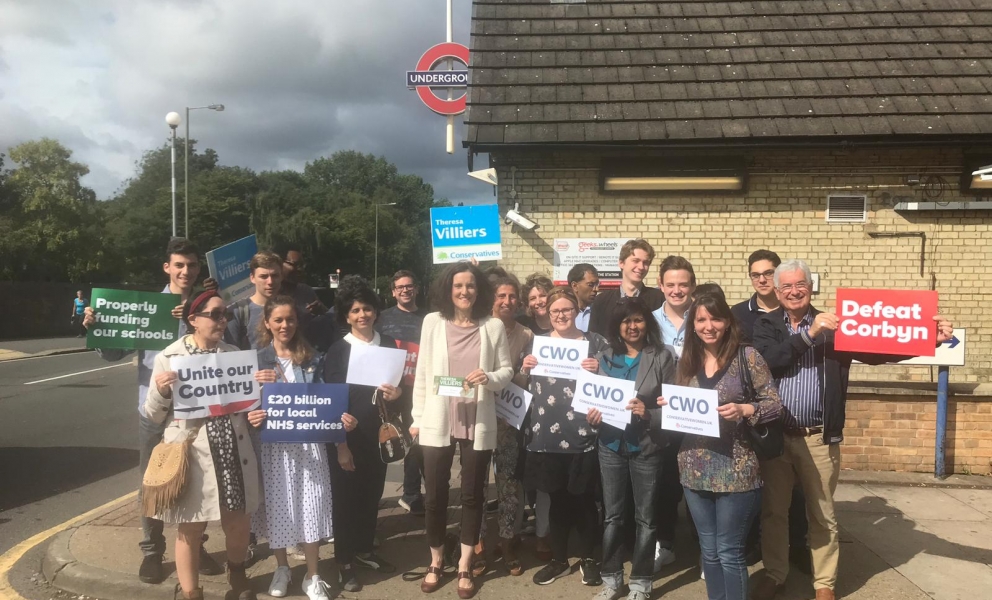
<point x="583" y="278"/>
<point x="78" y="311"/>
<point x="183" y="268"/>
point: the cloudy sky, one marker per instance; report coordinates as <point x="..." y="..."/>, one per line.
<point x="299" y="78"/>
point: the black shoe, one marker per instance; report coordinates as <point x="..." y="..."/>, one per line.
<point x="590" y="572"/>
<point x="414" y="507"/>
<point x="151" y="570"/>
<point x="209" y="566"/>
<point x="492" y="506"/>
<point x="551" y="571"/>
<point x="348" y="580"/>
<point x="375" y="562"/>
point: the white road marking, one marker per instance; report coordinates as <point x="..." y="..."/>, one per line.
<point x="79" y="373"/>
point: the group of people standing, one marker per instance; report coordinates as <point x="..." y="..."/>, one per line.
<point x="620" y="486"/>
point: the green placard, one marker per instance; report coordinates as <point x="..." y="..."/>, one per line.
<point x="132" y="320"/>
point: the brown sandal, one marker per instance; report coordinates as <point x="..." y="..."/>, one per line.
<point x="466" y="593"/>
<point x="430" y="588"/>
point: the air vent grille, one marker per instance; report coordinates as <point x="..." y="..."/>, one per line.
<point x="847" y="209"/>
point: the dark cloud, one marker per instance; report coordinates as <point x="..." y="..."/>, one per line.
<point x="299" y="80"/>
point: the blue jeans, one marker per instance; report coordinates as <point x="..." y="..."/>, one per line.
<point x="723" y="520"/>
<point x="621" y="472"/>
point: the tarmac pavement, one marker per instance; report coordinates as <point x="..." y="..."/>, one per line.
<point x="899" y="540"/>
<point x="16" y="349"/>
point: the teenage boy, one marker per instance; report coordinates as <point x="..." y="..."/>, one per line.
<point x="761" y="270"/>
<point x="266" y="276"/>
<point x="182" y="265"/>
<point x="677" y="281"/>
<point x="403" y="323"/>
<point x="635" y="262"/>
<point x="583" y="278"/>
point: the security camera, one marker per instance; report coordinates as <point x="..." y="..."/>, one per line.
<point x="513" y="216"/>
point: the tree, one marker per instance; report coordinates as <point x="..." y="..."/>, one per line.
<point x="50" y="222"/>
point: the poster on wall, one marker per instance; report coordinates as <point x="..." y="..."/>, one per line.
<point x="602" y="253"/>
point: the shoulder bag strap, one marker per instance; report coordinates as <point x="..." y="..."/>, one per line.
<point x="747" y="385"/>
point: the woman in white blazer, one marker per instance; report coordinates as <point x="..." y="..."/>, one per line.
<point x="463" y="341"/>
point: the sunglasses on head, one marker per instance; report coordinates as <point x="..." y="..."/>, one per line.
<point x="216" y="314"/>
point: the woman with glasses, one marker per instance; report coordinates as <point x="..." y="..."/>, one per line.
<point x="295" y="476"/>
<point x="561" y="458"/>
<point x="721" y="476"/>
<point x="535" y="293"/>
<point x="630" y="458"/>
<point x="223" y="473"/>
<point x="358" y="475"/>
<point x="463" y="342"/>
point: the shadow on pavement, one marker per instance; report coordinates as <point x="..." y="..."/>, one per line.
<point x="40" y="473"/>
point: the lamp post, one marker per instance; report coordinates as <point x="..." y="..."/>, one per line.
<point x="173" y="119"/>
<point x="218" y="108"/>
<point x="375" y="277"/>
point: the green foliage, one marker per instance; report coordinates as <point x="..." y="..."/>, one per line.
<point x="51" y="227"/>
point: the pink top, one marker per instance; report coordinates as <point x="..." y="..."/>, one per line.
<point x="464" y="345"/>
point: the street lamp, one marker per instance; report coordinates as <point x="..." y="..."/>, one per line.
<point x="173" y="119"/>
<point x="375" y="277"/>
<point x="218" y="108"/>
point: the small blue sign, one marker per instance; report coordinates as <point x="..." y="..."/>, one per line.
<point x="304" y="412"/>
<point x="465" y="232"/>
<point x="229" y="265"/>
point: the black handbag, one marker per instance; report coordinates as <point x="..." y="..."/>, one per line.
<point x="767" y="439"/>
<point x="394" y="438"/>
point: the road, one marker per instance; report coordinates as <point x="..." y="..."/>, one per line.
<point x="68" y="444"/>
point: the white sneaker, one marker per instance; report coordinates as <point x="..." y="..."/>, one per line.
<point x="315" y="588"/>
<point x="280" y="582"/>
<point x="662" y="557"/>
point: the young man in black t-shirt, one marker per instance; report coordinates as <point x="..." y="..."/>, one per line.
<point x="403" y="323"/>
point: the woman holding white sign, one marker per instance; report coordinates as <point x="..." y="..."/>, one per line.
<point x="464" y="359"/>
<point x="296" y="478"/>
<point x="720" y="475"/>
<point x="631" y="457"/>
<point x="358" y="475"/>
<point x="561" y="458"/>
<point x="222" y="477"/>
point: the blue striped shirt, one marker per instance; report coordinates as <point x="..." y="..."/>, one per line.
<point x="800" y="388"/>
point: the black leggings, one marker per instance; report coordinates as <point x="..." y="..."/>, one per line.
<point x="568" y="511"/>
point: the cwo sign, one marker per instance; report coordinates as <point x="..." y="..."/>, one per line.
<point x="691" y="410"/>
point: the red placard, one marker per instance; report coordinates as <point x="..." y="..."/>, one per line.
<point x="887" y="322"/>
<point x="410" y="370"/>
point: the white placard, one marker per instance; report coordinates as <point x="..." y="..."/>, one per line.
<point x="557" y="357"/>
<point x="512" y="404"/>
<point x="216" y="384"/>
<point x="690" y="410"/>
<point x="375" y="365"/>
<point x="608" y="395"/>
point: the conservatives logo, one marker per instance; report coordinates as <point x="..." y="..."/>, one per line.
<point x="442" y="256"/>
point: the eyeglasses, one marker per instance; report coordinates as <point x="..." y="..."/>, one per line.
<point x="563" y="312"/>
<point x="404" y="288"/>
<point x="216" y="314"/>
<point x="801" y="286"/>
<point x="764" y="274"/>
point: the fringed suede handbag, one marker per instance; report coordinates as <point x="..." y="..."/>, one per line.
<point x="166" y="476"/>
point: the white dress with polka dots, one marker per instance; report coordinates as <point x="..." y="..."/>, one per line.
<point x="297" y="484"/>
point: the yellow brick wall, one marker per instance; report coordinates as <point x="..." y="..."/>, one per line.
<point x="784" y="210"/>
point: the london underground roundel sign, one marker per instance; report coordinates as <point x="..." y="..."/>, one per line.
<point x="423" y="79"/>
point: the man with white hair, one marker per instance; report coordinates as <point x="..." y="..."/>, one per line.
<point x="797" y="342"/>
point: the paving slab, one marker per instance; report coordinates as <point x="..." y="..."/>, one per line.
<point x="925" y="503"/>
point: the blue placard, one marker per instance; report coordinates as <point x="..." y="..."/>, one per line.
<point x="304" y="412"/>
<point x="229" y="265"/>
<point x="463" y="232"/>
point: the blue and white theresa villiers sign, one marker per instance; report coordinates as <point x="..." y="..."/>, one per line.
<point x="229" y="265"/>
<point x="465" y="232"/>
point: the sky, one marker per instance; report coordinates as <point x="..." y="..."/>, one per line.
<point x="299" y="79"/>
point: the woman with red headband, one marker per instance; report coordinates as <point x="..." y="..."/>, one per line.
<point x="223" y="472"/>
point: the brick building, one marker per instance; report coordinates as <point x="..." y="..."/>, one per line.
<point x="846" y="132"/>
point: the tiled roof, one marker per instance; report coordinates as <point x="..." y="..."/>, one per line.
<point x="657" y="71"/>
